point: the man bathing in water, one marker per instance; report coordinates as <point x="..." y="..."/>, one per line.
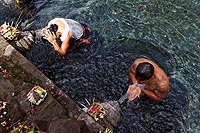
<point x="147" y="78"/>
<point x="69" y="31"/>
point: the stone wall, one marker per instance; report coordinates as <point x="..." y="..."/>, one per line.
<point x="17" y="77"/>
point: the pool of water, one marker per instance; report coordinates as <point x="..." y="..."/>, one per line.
<point x="167" y="31"/>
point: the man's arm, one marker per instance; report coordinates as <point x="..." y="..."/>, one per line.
<point x="155" y="95"/>
<point x="132" y="73"/>
<point x="65" y="44"/>
<point x="62" y="51"/>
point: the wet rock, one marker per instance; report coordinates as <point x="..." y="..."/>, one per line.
<point x="64" y="124"/>
<point x="25" y="41"/>
<point x="114" y="115"/>
<point x="14" y="89"/>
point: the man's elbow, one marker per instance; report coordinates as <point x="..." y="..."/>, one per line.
<point x="130" y="74"/>
<point x="160" y="98"/>
<point x="62" y="53"/>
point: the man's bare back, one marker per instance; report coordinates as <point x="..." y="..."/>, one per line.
<point x="156" y="86"/>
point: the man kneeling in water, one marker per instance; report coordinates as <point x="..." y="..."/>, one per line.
<point x="148" y="78"/>
<point x="68" y="31"/>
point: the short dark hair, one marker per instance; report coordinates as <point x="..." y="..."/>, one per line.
<point x="53" y="28"/>
<point x="144" y="71"/>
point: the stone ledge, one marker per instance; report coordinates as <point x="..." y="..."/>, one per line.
<point x="17" y="77"/>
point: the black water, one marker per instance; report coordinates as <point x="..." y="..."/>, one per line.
<point x="167" y="31"/>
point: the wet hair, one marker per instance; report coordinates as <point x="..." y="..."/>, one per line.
<point x="144" y="71"/>
<point x="53" y="28"/>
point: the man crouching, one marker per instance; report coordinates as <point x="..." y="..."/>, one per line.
<point x="148" y="78"/>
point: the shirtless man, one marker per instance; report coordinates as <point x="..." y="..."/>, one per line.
<point x="147" y="78"/>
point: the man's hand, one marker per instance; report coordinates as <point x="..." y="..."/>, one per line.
<point x="133" y="92"/>
<point x="50" y="36"/>
<point x="141" y="86"/>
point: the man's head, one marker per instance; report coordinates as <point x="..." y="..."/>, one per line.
<point x="53" y="28"/>
<point x="144" y="71"/>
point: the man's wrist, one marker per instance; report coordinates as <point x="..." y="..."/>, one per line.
<point x="141" y="86"/>
<point x="53" y="42"/>
<point x="55" y="45"/>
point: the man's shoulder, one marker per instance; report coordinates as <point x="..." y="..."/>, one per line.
<point x="163" y="82"/>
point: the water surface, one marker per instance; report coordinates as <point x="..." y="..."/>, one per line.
<point x="167" y="31"/>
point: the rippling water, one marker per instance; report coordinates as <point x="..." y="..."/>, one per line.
<point x="167" y="31"/>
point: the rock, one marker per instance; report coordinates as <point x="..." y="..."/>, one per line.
<point x="64" y="124"/>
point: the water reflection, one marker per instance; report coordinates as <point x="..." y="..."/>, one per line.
<point x="165" y="31"/>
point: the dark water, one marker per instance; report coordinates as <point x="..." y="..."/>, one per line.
<point x="167" y="31"/>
